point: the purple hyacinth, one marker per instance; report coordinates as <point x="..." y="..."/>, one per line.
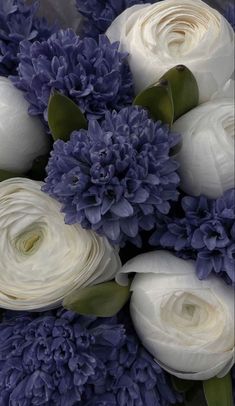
<point x="205" y="232"/>
<point x="99" y="14"/>
<point x="116" y="177"/>
<point x="18" y="22"/>
<point x="60" y="358"/>
<point x="197" y="209"/>
<point x="94" y="75"/>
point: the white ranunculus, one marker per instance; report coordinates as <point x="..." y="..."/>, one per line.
<point x="187" y="324"/>
<point x="42" y="259"/>
<point x="206" y="154"/>
<point x="22" y="137"/>
<point x="189" y="32"/>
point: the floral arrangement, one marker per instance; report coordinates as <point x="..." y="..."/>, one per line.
<point x="117" y="203"/>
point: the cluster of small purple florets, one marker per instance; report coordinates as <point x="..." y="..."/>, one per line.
<point x="61" y="358"/>
<point x="18" y="22"/>
<point x="115" y="177"/>
<point x="205" y="232"/>
<point x="93" y="74"/>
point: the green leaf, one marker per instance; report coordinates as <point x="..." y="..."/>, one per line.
<point x="195" y="395"/>
<point x="158" y="100"/>
<point x="218" y="391"/>
<point x="184" y="89"/>
<point x="103" y="300"/>
<point x="7" y="175"/>
<point x="171" y="97"/>
<point x="182" y="385"/>
<point x="64" y="117"/>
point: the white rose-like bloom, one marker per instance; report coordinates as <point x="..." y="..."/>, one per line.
<point x="207" y="151"/>
<point x="42" y="258"/>
<point x="171" y="32"/>
<point x="22" y="137"/>
<point x="185" y="323"/>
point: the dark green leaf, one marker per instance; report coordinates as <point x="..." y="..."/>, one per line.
<point x="103" y="300"/>
<point x="182" y="385"/>
<point x="218" y="391"/>
<point x="158" y="101"/>
<point x="64" y="117"/>
<point x="195" y="395"/>
<point x="184" y="89"/>
<point x="7" y="175"/>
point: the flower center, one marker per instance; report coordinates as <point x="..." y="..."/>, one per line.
<point x="179" y="29"/>
<point x="28" y="242"/>
<point x="188" y="310"/>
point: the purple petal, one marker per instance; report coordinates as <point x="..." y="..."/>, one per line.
<point x="122" y="209"/>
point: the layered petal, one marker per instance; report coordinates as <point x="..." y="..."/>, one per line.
<point x="206" y="155"/>
<point x="164" y="34"/>
<point x="22" y="138"/>
<point x="187" y="324"/>
<point x="42" y="259"/>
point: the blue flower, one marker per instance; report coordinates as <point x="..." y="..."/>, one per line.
<point x="18" y="22"/>
<point x="99" y="14"/>
<point x="177" y="235"/>
<point x="205" y="232"/>
<point x="209" y="261"/>
<point x="211" y="235"/>
<point x="61" y="358"/>
<point x="225" y="206"/>
<point x="116" y="177"/>
<point x="94" y="75"/>
<point x="197" y="209"/>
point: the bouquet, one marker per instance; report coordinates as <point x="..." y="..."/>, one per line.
<point x="117" y="203"/>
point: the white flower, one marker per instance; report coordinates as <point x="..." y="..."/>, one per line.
<point x="43" y="259"/>
<point x="206" y="154"/>
<point x="22" y="137"/>
<point x="64" y="12"/>
<point x="187" y="324"/>
<point x="168" y="33"/>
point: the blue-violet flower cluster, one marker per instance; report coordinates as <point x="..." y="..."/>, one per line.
<point x="115" y="177"/>
<point x="60" y="358"/>
<point x="99" y="14"/>
<point x="18" y="22"/>
<point x="205" y="232"/>
<point x="94" y="75"/>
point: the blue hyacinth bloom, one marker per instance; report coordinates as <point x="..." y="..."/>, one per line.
<point x="62" y="359"/>
<point x="115" y="178"/>
<point x="18" y="22"/>
<point x="93" y="74"/>
<point x="205" y="232"/>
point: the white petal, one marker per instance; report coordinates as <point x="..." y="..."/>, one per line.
<point x="161" y="35"/>
<point x="43" y="259"/>
<point x="22" y="137"/>
<point x="207" y="152"/>
<point x="185" y="323"/>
